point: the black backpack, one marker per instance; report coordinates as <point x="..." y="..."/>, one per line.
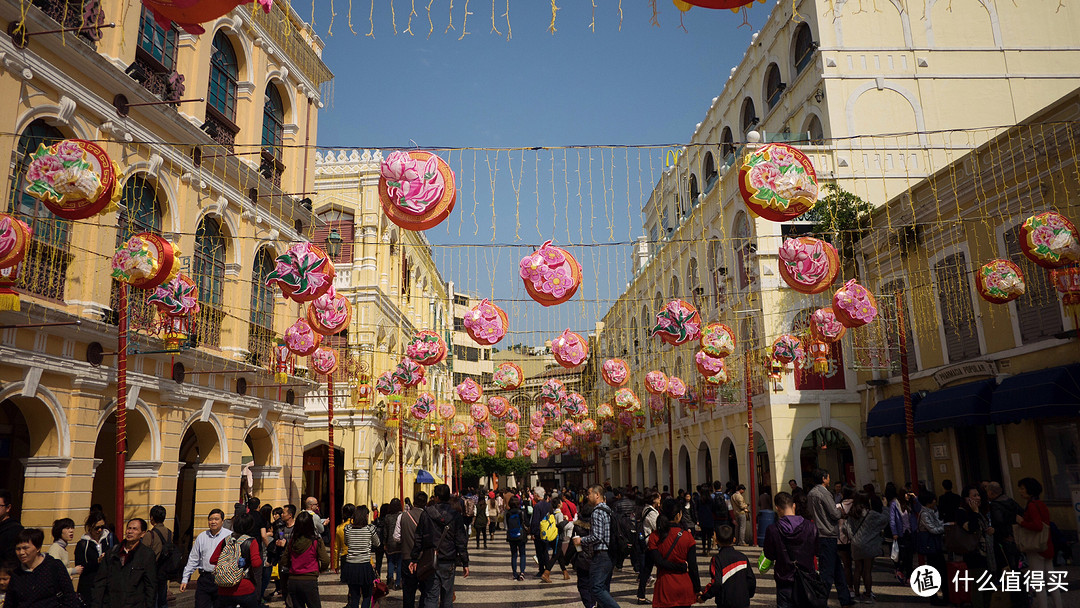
<point x="513" y="530"/>
<point x="170" y="563"/>
<point x="622" y="535"/>
<point x="719" y="508"/>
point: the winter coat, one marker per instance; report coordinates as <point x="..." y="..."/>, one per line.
<point x="733" y="582"/>
<point x="865" y="534"/>
<point x="791" y="539"/>
<point x="821" y="505"/>
<point x="453" y="545"/>
<point x="47" y="586"/>
<point x="130" y="584"/>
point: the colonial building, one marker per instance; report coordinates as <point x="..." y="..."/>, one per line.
<point x="390" y="278"/>
<point x="870" y="95"/>
<point x="218" y="179"/>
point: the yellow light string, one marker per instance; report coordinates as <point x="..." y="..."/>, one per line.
<point x="450" y="26"/>
<point x="393" y="17"/>
<point x="431" y="24"/>
<point x="494" y="29"/>
<point x="333" y="14"/>
<point x="371" y="20"/>
<point x="509" y="31"/>
<point x="554" y="9"/>
<point x="412" y="13"/>
<point x="465" y="22"/>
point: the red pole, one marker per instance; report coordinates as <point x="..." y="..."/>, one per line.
<point x="671" y="447"/>
<point x="909" y="415"/>
<point x="333" y="476"/>
<point x="401" y="456"/>
<point x="121" y="402"/>
<point x="753" y="464"/>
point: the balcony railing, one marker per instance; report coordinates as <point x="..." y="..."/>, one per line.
<point x="156" y="78"/>
<point x="220" y="128"/>
<point x="271" y="168"/>
<point x="43" y="271"/>
<point x="85" y="16"/>
<point x="261" y="342"/>
<point x="142" y="315"/>
<point x="207" y="330"/>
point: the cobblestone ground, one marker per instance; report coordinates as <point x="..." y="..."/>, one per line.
<point x="490" y="584"/>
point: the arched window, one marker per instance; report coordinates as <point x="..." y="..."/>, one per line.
<point x="694" y="191"/>
<point x="658" y="303"/>
<point x="813" y="131"/>
<point x="749" y="118"/>
<point x="1037" y="311"/>
<point x="743" y="247"/>
<point x="665" y="221"/>
<point x="693" y="284"/>
<point x="804" y="47"/>
<point x="273" y="128"/>
<point x="157" y="42"/>
<point x="140" y="212"/>
<point x="675" y="287"/>
<point x="708" y="170"/>
<point x="727" y="146"/>
<point x="957" y="312"/>
<point x="774" y="86"/>
<point x="224" y="73"/>
<point x="44" y="270"/>
<point x="209" y="270"/>
<point x="261" y="330"/>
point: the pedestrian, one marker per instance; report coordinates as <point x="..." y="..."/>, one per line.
<point x="703" y="500"/>
<point x="929" y="540"/>
<point x="283" y="529"/>
<point x="41" y="581"/>
<point x="540" y="510"/>
<point x="63" y="533"/>
<point x="405" y="533"/>
<point x="733" y="582"/>
<point x="341" y="546"/>
<point x="903" y="521"/>
<point x="392" y="548"/>
<point x="598" y="540"/>
<point x="206" y="590"/>
<point x="356" y="570"/>
<point x="843" y="541"/>
<point x="1003" y="512"/>
<point x="741" y="511"/>
<point x="311" y="505"/>
<point x="792" y="539"/>
<point x="949" y="502"/>
<point x="1036" y="517"/>
<point x="793" y="485"/>
<point x="6" y="571"/>
<point x="671" y="547"/>
<point x="441" y="530"/>
<point x="9" y="527"/>
<point x="517" y="537"/>
<point x="156" y="538"/>
<point x="240" y="551"/>
<point x="305" y="555"/>
<point x="88" y="554"/>
<point x="972" y="521"/>
<point x="480" y="522"/>
<point x="560" y="540"/>
<point x="827" y="518"/>
<point x="649" y="516"/>
<point x="494" y="515"/>
<point x="468" y="500"/>
<point x="864" y="526"/>
<point x="128" y="574"/>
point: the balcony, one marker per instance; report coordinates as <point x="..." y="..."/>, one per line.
<point x="220" y="128"/>
<point x="141" y="314"/>
<point x="154" y="77"/>
<point x="261" y="342"/>
<point x="207" y="330"/>
<point x="44" y="271"/>
<point x="85" y="16"/>
<point x="270" y="167"/>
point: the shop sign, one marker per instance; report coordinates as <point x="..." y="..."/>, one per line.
<point x="964" y="371"/>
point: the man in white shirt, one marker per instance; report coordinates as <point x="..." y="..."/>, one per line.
<point x="199" y="559"/>
<point x="311" y="505"/>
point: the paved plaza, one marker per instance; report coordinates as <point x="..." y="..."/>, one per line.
<point x="490" y="584"/>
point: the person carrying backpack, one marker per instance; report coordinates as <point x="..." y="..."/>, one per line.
<point x="169" y="559"/>
<point x="237" y="565"/>
<point x="517" y="536"/>
<point x="305" y="556"/>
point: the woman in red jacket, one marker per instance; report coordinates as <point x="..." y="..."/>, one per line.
<point x="1035" y="517"/>
<point x="245" y="593"/>
<point x="672" y="551"/>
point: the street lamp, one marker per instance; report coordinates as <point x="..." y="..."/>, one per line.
<point x="333" y="243"/>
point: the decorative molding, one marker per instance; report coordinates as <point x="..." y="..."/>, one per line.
<point x="142" y="469"/>
<point x="266" y="472"/>
<point x="206" y="470"/>
<point x="16" y="64"/>
<point x="47" y="466"/>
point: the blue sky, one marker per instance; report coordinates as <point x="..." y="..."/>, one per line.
<point x="643" y="87"/>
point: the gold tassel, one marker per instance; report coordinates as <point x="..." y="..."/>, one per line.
<point x="9" y="301"/>
<point x="281" y="377"/>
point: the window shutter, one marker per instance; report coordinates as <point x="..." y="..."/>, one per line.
<point x="1037" y="311"/>
<point x="957" y="312"/>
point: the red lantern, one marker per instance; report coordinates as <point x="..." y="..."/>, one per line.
<point x="427" y="348"/>
<point x="74" y="179"/>
<point x="146" y="261"/>
<point x="734" y="5"/>
<point x="551" y="274"/>
<point x="324" y="361"/>
<point x="329" y="313"/>
<point x="176" y="302"/>
<point x="301" y="339"/>
<point x="1050" y="240"/>
<point x="820" y="352"/>
<point x="677" y="322"/>
<point x="14" y="241"/>
<point x="189" y="14"/>
<point x="570" y="349"/>
<point x="1067" y="281"/>
<point x="778" y="182"/>
<point x="284" y="362"/>
<point x="808" y="265"/>
<point x="303" y="273"/>
<point x="416" y="189"/>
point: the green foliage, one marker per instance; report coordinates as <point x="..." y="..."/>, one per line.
<point x="482" y="465"/>
<point x="841" y="218"/>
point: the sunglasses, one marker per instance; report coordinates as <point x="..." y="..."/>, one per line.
<point x="98" y="528"/>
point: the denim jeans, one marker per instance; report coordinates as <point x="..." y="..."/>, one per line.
<point x="438" y="591"/>
<point x="393" y="569"/>
<point x="600" y="580"/>
<point x="831" y="569"/>
<point x="517" y="557"/>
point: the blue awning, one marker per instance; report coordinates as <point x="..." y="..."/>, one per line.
<point x="887" y="417"/>
<point x="961" y="405"/>
<point x="1041" y="394"/>
<point x="423" y="476"/>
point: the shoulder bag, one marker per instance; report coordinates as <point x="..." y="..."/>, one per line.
<point x="425" y="566"/>
<point x="810" y="591"/>
<point x="1030" y="541"/>
<point x="958" y="540"/>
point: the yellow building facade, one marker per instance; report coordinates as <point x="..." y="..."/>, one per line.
<point x="870" y="96"/>
<point x="395" y="289"/>
<point x="214" y="177"/>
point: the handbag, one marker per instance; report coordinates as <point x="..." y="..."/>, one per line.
<point x="425" y="566"/>
<point x="958" y="540"/>
<point x="809" y="591"/>
<point x="379" y="590"/>
<point x="927" y="543"/>
<point x="1030" y="541"/>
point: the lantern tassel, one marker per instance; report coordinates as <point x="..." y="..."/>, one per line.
<point x="9" y="300"/>
<point x="281" y="377"/>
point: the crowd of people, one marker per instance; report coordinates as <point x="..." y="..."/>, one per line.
<point x="830" y="535"/>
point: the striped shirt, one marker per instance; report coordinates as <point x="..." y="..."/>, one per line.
<point x="360" y="540"/>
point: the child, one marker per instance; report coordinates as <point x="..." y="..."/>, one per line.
<point x="5" y="579"/>
<point x="733" y="582"/>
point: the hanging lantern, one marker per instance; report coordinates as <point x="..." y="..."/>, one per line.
<point x="513" y="414"/>
<point x="447" y="411"/>
<point x="550" y="410"/>
<point x="639" y="420"/>
<point x="615" y="372"/>
<point x="425" y="403"/>
<point x="284" y="362"/>
<point x="720" y="377"/>
<point x="825" y="327"/>
<point x="498" y="407"/>
<point x="409" y="372"/>
<point x="575" y="406"/>
<point x="1000" y="281"/>
<point x="303" y="273"/>
<point x="323" y="361"/>
<point x="469" y="391"/>
<point x="479" y="412"/>
<point x="677" y="322"/>
<point x="553" y="391"/>
<point x="808" y="265"/>
<point x="329" y="313"/>
<point x="787" y="348"/>
<point x="393" y="411"/>
<point x="776" y="374"/>
<point x="734" y="5"/>
<point x="427" y="348"/>
<point x="507" y="376"/>
<point x="605" y="411"/>
<point x="388" y="385"/>
<point x="570" y="349"/>
<point x="146" y="261"/>
<point x="676" y="387"/>
<point x="819" y="351"/>
<point x="301" y="339"/>
<point x="608" y="427"/>
<point x="1067" y="281"/>
<point x="536" y="420"/>
<point x="189" y="14"/>
<point x="74" y="179"/>
<point x="551" y="274"/>
<point x="486" y="323"/>
<point x="1050" y="240"/>
<point x="510" y="454"/>
<point x="176" y="302"/>
<point x="854" y="305"/>
<point x="656" y="382"/>
<point x="15" y="238"/>
<point x="627" y="400"/>
<point x="512" y="429"/>
<point x="708" y="365"/>
<point x="717" y="340"/>
<point x="777" y="182"/>
<point x="417" y="189"/>
<point x="626" y="419"/>
<point x="458" y="428"/>
<point x="656" y="402"/>
<point x="512" y="444"/>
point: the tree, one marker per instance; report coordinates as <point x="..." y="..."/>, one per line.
<point x="476" y="466"/>
<point x="840" y="217"/>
